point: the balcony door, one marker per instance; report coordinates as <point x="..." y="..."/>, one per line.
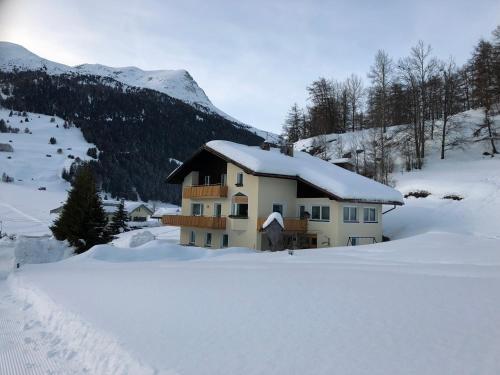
<point x="217" y="209"/>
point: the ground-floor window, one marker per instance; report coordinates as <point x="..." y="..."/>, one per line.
<point x="370" y="215"/>
<point x="208" y="239"/>
<point x="350" y="214"/>
<point x="192" y="237"/>
<point x="225" y="240"/>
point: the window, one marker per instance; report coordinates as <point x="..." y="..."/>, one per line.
<point x="301" y="211"/>
<point x="354" y="241"/>
<point x="321" y="213"/>
<point x="217" y="209"/>
<point x="240" y="209"/>
<point x="208" y="239"/>
<point x="369" y="215"/>
<point x="278" y="207"/>
<point x="225" y="240"/>
<point x="207" y="180"/>
<point x="350" y="214"/>
<point x="325" y="213"/>
<point x="197" y="209"/>
<point x="223" y="179"/>
<point x="192" y="238"/>
<point x="239" y="179"/>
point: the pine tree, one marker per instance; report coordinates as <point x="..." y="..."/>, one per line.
<point x="483" y="87"/>
<point x="82" y="221"/>
<point x="119" y="222"/>
<point x="292" y="128"/>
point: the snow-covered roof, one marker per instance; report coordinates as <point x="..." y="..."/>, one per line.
<point x="161" y="211"/>
<point x="336" y="181"/>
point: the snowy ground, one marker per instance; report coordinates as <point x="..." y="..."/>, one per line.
<point x="424" y="303"/>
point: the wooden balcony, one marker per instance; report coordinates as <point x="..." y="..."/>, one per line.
<point x="195" y="221"/>
<point x="291" y="224"/>
<point x="205" y="191"/>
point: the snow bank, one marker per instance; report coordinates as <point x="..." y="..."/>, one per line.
<point x="35" y="250"/>
<point x="141" y="238"/>
<point x="167" y="233"/>
<point x="6" y="257"/>
<point x="154" y="250"/>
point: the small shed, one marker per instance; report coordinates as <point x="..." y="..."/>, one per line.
<point x="273" y="227"/>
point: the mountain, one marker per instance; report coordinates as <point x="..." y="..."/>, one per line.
<point x="178" y="84"/>
<point x="141" y="133"/>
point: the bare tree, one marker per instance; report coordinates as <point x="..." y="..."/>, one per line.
<point x="355" y="93"/>
<point x="381" y="74"/>
<point x="423" y="66"/>
<point x="449" y="77"/>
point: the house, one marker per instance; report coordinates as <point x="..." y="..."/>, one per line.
<point x="229" y="190"/>
<point x="162" y="211"/>
<point x="137" y="211"/>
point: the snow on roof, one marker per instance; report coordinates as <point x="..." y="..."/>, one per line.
<point x="273" y="216"/>
<point x="161" y="211"/>
<point x="111" y="206"/>
<point x="335" y="180"/>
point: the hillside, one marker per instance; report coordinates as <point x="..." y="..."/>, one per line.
<point x="178" y="84"/>
<point x="34" y="164"/>
<point x="138" y="131"/>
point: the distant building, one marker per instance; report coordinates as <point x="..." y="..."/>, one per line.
<point x="137" y="211"/>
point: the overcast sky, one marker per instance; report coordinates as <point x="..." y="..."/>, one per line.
<point x="253" y="58"/>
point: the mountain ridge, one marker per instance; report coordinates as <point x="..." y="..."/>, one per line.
<point x="178" y="83"/>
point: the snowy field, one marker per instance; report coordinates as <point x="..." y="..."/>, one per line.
<point x="424" y="303"/>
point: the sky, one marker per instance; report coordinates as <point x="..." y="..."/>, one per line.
<point x="254" y="59"/>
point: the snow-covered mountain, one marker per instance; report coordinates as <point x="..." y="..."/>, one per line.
<point x="178" y="84"/>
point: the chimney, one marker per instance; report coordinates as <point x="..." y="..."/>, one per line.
<point x="287" y="149"/>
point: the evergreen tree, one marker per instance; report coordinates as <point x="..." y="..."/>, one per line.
<point x="119" y="222"/>
<point x="292" y="129"/>
<point x="483" y="87"/>
<point x="82" y="221"/>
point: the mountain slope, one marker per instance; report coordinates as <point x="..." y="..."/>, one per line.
<point x="33" y="164"/>
<point x="138" y="131"/>
<point x="178" y="84"/>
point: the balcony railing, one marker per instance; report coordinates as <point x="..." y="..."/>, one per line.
<point x="205" y="191"/>
<point x="291" y="224"/>
<point x="195" y="221"/>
